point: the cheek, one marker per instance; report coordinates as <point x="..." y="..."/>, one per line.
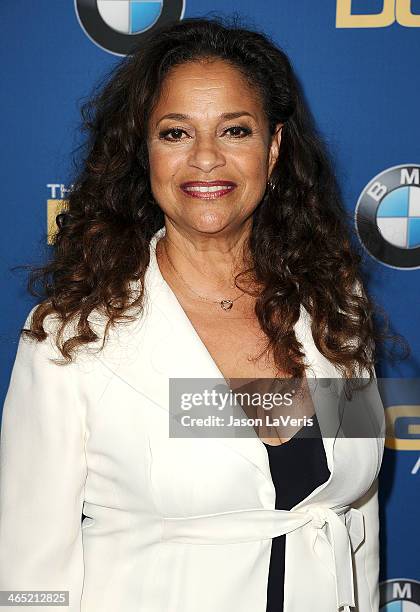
<point x="254" y="171"/>
<point x="163" y="166"/>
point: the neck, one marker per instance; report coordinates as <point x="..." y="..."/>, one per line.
<point x="208" y="264"/>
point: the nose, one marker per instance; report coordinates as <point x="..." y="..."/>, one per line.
<point x="205" y="154"/>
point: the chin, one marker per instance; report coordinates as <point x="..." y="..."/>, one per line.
<point x="208" y="221"/>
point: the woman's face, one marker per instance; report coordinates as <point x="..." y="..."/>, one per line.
<point x="199" y="142"/>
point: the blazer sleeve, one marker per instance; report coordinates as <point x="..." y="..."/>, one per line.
<point x="42" y="476"/>
<point x="366" y="557"/>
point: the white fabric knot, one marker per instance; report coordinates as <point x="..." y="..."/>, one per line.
<point x="332" y="545"/>
<point x="318" y="517"/>
<point x="340" y="536"/>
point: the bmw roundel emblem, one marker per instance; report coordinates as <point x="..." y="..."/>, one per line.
<point x="118" y="25"/>
<point x="400" y="595"/>
<point x="388" y="217"/>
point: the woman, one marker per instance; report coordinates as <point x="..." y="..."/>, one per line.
<point x="202" y="168"/>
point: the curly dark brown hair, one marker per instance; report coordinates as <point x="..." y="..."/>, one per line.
<point x="300" y="245"/>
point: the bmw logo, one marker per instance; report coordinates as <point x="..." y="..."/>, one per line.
<point x="118" y="25"/>
<point x="400" y="595"/>
<point x="388" y="217"/>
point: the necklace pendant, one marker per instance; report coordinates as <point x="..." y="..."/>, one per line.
<point x="226" y="304"/>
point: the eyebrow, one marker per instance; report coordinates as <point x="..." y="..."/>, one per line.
<point x="182" y="117"/>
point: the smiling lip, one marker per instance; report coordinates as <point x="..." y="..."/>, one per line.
<point x="207" y="190"/>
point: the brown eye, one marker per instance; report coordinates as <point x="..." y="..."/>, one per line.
<point x="246" y="131"/>
<point x="174" y="131"/>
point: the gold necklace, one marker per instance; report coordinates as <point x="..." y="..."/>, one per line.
<point x="225" y="304"/>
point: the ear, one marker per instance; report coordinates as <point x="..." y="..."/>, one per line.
<point x="274" y="148"/>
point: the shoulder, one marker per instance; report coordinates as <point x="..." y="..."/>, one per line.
<point x="43" y="361"/>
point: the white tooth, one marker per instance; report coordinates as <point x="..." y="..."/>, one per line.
<point x="208" y="189"/>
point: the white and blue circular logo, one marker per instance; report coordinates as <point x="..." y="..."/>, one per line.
<point x="400" y="595"/>
<point x="388" y="217"/>
<point x="117" y="25"/>
<point x="130" y="16"/>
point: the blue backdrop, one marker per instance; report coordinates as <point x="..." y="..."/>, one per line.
<point x="358" y="62"/>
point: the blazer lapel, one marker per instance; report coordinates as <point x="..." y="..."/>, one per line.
<point x="166" y="345"/>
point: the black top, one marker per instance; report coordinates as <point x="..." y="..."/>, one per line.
<point x="297" y="468"/>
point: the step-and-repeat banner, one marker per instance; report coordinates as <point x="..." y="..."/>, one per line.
<point x="358" y="61"/>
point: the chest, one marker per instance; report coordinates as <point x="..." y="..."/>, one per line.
<point x="237" y="345"/>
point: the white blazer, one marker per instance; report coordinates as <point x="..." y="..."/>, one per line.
<point x="175" y="524"/>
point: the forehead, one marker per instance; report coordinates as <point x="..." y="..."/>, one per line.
<point x="205" y="85"/>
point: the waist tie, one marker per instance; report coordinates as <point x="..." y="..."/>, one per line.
<point x="260" y="524"/>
